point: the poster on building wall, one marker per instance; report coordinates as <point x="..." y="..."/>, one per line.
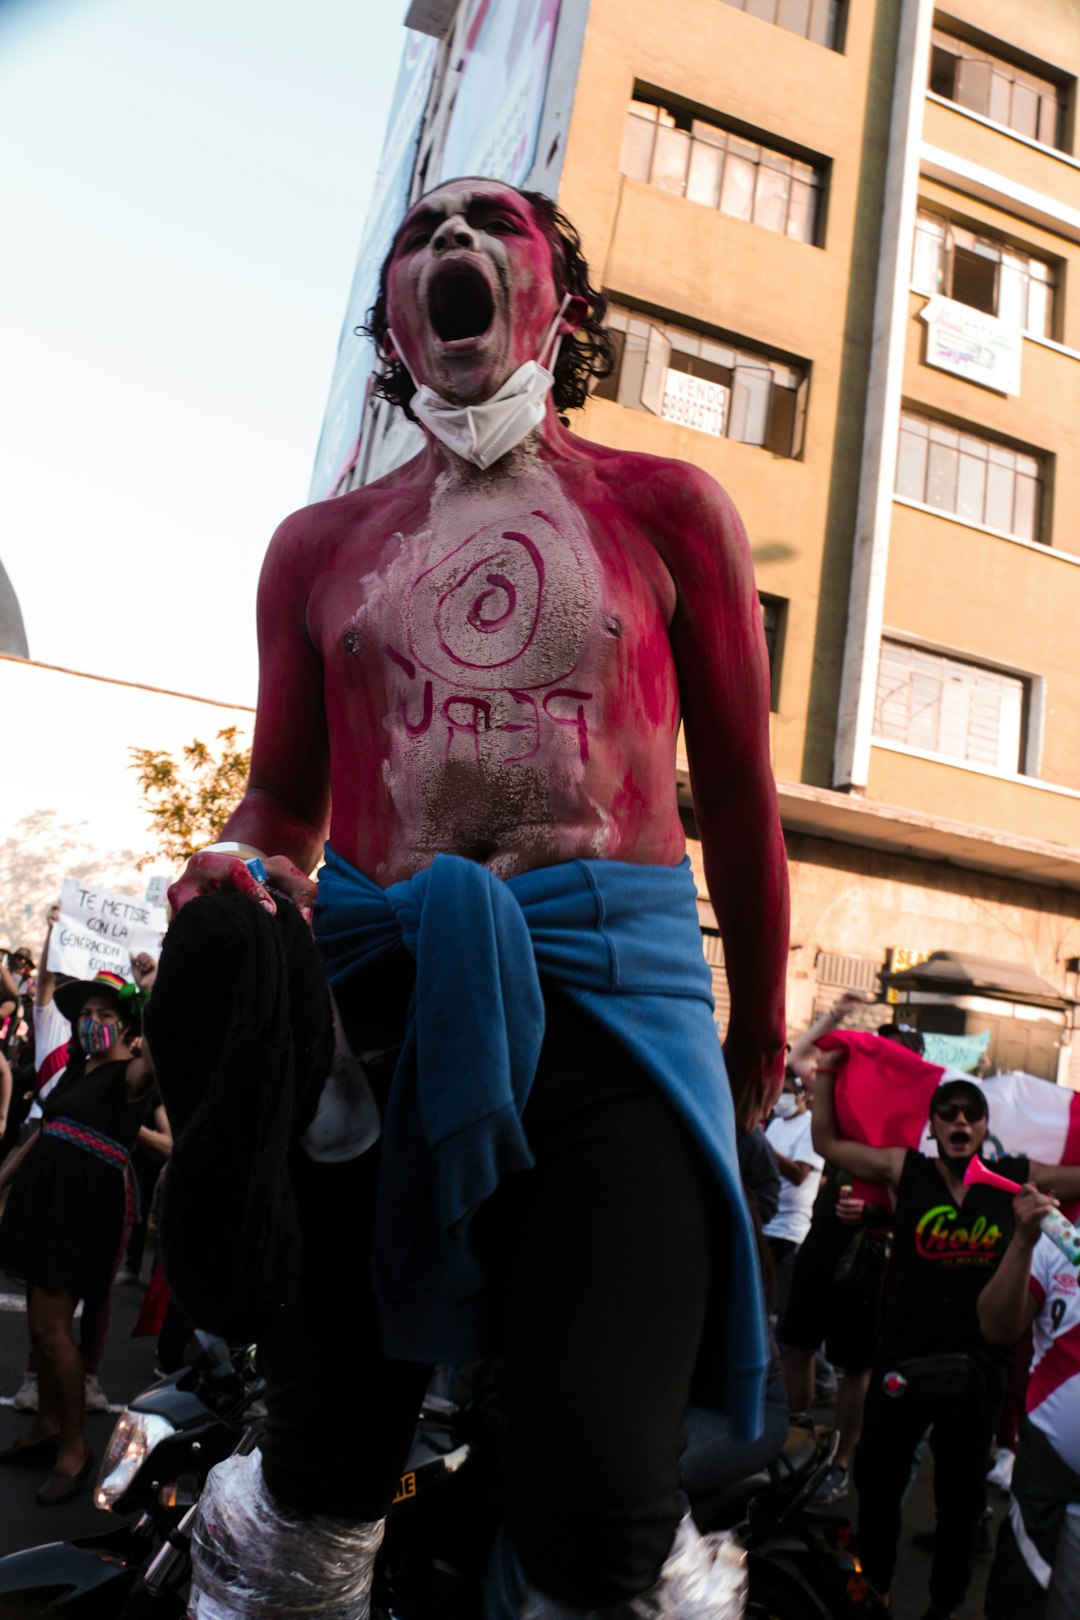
<point x="695" y="402"/>
<point x="972" y="345"/>
<point x="356" y="356"/>
<point x="500" y="96"/>
<point x="101" y="930"/>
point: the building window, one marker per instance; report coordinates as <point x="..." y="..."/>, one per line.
<point x="670" y="148"/>
<point x="984" y="273"/>
<point x="976" y="479"/>
<point x="706" y="383"/>
<point x="950" y="707"/>
<point x="817" y="20"/>
<point x="977" y="78"/>
<point x="773" y="618"/>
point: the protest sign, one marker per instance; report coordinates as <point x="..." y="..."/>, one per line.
<point x="157" y="889"/>
<point x="99" y="930"/>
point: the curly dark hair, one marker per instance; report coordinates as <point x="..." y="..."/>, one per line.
<point x="584" y="354"/>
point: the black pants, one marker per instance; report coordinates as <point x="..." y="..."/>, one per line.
<point x="960" y="1442"/>
<point x="785" y="1252"/>
<point x="601" y="1258"/>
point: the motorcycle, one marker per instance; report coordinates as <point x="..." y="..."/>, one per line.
<point x="801" y="1561"/>
<point x="161" y="1449"/>
<point x="440" y="1528"/>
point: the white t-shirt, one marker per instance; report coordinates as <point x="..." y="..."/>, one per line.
<point x="792" y="1138"/>
<point x="1053" y="1392"/>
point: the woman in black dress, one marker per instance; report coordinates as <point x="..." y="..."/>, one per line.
<point x="70" y="1206"/>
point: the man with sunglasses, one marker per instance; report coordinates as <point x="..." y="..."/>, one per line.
<point x="933" y="1368"/>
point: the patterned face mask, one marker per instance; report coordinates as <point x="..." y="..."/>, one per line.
<point x="94" y="1038"/>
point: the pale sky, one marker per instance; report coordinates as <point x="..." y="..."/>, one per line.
<point x="182" y="191"/>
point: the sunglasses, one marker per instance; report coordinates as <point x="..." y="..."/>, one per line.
<point x="971" y="1111"/>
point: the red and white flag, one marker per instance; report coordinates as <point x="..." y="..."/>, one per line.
<point x="1033" y="1116"/>
<point x="883" y="1094"/>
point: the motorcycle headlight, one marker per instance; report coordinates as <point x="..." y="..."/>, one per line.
<point x="134" y="1438"/>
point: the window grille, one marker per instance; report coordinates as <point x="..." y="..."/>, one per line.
<point x="706" y="383"/>
<point x="986" y="83"/>
<point x="946" y="706"/>
<point x="975" y="479"/>
<point x="669" y="148"/>
<point x="984" y="273"/>
<point x="817" y="20"/>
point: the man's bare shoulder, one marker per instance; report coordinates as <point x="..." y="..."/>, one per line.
<point x="675" y="500"/>
<point x="317" y="530"/>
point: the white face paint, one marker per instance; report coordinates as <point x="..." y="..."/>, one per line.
<point x="470" y="289"/>
<point x="489" y="619"/>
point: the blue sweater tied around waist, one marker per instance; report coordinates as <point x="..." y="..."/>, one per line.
<point x="623" y="942"/>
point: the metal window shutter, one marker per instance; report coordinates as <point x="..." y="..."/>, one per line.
<point x="847" y="972"/>
<point x="713" y="947"/>
<point x="835" y="973"/>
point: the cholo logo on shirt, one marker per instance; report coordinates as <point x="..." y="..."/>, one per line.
<point x="938" y="1237"/>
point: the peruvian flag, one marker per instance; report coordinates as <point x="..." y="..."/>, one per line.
<point x="1033" y="1116"/>
<point x="883" y="1095"/>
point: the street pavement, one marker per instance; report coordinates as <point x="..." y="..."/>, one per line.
<point x="127" y="1368"/>
<point x="911" y="1586"/>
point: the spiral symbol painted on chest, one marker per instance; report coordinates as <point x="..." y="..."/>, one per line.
<point x="508" y="608"/>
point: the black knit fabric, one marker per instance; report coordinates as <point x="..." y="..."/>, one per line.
<point x="240" y="1030"/>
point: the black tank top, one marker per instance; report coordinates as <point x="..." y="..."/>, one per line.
<point x="942" y="1258"/>
<point x="98" y="1099"/>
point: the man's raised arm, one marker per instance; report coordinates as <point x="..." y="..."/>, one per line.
<point x="723" y="669"/>
<point x="285" y="809"/>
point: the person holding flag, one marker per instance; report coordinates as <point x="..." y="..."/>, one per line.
<point x="933" y="1368"/>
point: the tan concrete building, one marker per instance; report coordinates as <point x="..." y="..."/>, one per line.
<point x="841" y="239"/>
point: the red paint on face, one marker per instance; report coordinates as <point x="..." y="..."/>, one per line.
<point x="471" y="290"/>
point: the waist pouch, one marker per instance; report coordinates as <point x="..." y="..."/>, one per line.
<point x="951" y="1377"/>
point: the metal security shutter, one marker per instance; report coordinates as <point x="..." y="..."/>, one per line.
<point x="714" y="954"/>
<point x="847" y="972"/>
<point x="835" y="973"/>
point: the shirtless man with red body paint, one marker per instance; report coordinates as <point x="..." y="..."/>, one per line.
<point x="493" y="663"/>
<point x="374" y="724"/>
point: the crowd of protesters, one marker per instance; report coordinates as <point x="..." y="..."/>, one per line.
<point x="923" y="1316"/>
<point x="917" y="1350"/>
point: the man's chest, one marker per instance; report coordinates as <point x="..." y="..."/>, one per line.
<point x="506" y="612"/>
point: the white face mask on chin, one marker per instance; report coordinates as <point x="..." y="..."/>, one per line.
<point x="483" y="432"/>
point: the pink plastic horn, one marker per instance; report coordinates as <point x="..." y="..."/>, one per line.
<point x="1053" y="1223"/>
<point x="977" y="1171"/>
